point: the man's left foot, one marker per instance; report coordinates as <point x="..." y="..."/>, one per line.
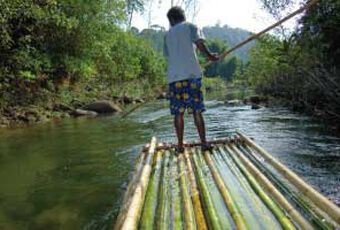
<point x="206" y="147"/>
<point x="179" y="150"/>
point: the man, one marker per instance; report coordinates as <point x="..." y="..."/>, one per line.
<point x="184" y="73"/>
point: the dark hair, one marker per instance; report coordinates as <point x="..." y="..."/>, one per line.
<point x="176" y="15"/>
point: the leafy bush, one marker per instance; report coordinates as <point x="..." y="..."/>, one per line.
<point x="46" y="44"/>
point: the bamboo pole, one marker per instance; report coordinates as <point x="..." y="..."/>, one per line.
<point x="254" y="36"/>
<point x="234" y="212"/>
<point x="137" y="200"/>
<point x="313" y="215"/>
<point x="149" y="210"/>
<point x="176" y="204"/>
<point x="296" y="216"/>
<point x="189" y="145"/>
<point x="210" y="209"/>
<point x="163" y="221"/>
<point x="188" y="207"/>
<point x="283" y="220"/>
<point x="200" y="220"/>
<point x="264" y="216"/>
<point x="326" y="205"/>
<point x="131" y="187"/>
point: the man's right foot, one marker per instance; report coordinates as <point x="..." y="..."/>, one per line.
<point x="179" y="150"/>
<point x="206" y="147"/>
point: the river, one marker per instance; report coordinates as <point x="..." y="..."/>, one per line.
<point x="72" y="174"/>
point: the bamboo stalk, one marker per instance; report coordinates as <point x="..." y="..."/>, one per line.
<point x="296" y="216"/>
<point x="326" y="205"/>
<point x="163" y="221"/>
<point x="137" y="200"/>
<point x="149" y="210"/>
<point x="188" y="208"/>
<point x="131" y="187"/>
<point x="263" y="215"/>
<point x="201" y="223"/>
<point x="176" y="204"/>
<point x="284" y="221"/>
<point x="234" y="212"/>
<point x="207" y="200"/>
<point x="254" y="36"/>
<point x="313" y="215"/>
<point x="169" y="146"/>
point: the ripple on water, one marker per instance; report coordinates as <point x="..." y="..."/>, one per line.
<point x="72" y="174"/>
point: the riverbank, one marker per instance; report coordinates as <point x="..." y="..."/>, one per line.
<point x="14" y="116"/>
<point x="239" y="94"/>
<point x="75" y="101"/>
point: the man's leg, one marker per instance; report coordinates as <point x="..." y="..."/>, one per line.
<point x="199" y="122"/>
<point x="179" y="125"/>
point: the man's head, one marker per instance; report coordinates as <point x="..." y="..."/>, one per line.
<point x="176" y="15"/>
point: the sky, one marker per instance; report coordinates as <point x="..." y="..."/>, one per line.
<point x="245" y="14"/>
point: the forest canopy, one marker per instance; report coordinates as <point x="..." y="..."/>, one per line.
<point x="44" y="44"/>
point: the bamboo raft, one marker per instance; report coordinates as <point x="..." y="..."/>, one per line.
<point x="238" y="185"/>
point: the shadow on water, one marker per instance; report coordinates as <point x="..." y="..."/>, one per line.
<point x="72" y="174"/>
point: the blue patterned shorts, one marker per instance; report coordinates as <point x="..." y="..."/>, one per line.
<point x="186" y="95"/>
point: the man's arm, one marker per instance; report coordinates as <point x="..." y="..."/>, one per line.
<point x="204" y="49"/>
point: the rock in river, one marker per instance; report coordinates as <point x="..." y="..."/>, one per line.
<point x="233" y="102"/>
<point x="103" y="107"/>
<point x="82" y="112"/>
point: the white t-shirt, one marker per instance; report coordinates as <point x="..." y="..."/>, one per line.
<point x="179" y="48"/>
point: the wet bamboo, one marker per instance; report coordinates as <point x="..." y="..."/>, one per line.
<point x="200" y="221"/>
<point x="188" y="207"/>
<point x="234" y="212"/>
<point x="129" y="191"/>
<point x="149" y="210"/>
<point x="296" y="216"/>
<point x="313" y="215"/>
<point x="284" y="221"/>
<point x="206" y="197"/>
<point x="163" y="220"/>
<point x="326" y="205"/>
<point x="176" y="204"/>
<point x="137" y="200"/>
<point x="251" y="206"/>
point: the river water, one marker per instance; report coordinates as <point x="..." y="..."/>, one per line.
<point x="72" y="174"/>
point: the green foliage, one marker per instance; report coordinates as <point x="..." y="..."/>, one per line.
<point x="156" y="37"/>
<point x="44" y="44"/>
<point x="224" y="68"/>
<point x="230" y="36"/>
<point x="303" y="68"/>
<point x="214" y="87"/>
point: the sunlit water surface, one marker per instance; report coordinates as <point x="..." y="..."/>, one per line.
<point x="72" y="174"/>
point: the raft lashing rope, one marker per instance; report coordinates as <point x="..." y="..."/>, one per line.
<point x="238" y="185"/>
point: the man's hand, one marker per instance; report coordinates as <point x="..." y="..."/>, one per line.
<point x="204" y="49"/>
<point x="213" y="57"/>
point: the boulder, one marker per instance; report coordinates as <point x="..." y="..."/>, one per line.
<point x="103" y="107"/>
<point x="4" y="122"/>
<point x="61" y="107"/>
<point x="162" y="95"/>
<point x="233" y="102"/>
<point x="255" y="106"/>
<point x="139" y="100"/>
<point x="126" y="100"/>
<point x="255" y="99"/>
<point x="82" y="112"/>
